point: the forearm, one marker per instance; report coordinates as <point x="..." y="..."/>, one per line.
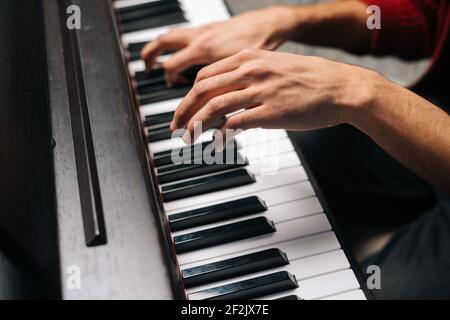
<point x="408" y="127"/>
<point x="340" y="24"/>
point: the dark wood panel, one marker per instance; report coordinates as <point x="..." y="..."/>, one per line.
<point x="133" y="263"/>
<point x="27" y="215"/>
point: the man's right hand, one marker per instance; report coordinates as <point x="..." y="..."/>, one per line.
<point x="261" y="29"/>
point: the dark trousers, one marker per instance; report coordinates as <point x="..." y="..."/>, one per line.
<point x="363" y="184"/>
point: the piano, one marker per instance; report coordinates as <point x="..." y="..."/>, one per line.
<point x="103" y="212"/>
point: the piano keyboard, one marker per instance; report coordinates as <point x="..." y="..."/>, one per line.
<point x="251" y="230"/>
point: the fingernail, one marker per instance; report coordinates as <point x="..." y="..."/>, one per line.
<point x="218" y="142"/>
<point x="186" y="137"/>
<point x="168" y="81"/>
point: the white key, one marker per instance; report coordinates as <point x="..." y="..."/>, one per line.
<point x="302" y="269"/>
<point x="264" y="136"/>
<point x="351" y="295"/>
<point x="170" y="144"/>
<point x="139" y="65"/>
<point x="271" y="197"/>
<point x="148" y="34"/>
<point x="272" y="165"/>
<point x="322" y="286"/>
<point x="280" y="213"/>
<point x="129" y="3"/>
<point x="201" y="12"/>
<point x="262" y="151"/>
<point x="295" y="249"/>
<point x="159" y="107"/>
<point x="285" y="231"/>
<point x="258" y="136"/>
<point x="277" y="162"/>
<point x="263" y="182"/>
<point x="196" y="12"/>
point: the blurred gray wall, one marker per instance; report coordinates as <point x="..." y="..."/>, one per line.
<point x="404" y="73"/>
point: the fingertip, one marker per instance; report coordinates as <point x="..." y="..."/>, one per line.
<point x="186" y="137"/>
<point x="173" y="125"/>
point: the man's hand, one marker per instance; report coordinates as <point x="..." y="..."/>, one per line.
<point x="280" y="90"/>
<point x="273" y="90"/>
<point x="262" y="29"/>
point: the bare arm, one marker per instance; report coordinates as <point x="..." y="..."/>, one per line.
<point x="411" y="129"/>
<point x="340" y="24"/>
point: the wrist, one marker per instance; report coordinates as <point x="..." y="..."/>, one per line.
<point x="285" y="21"/>
<point x="363" y="96"/>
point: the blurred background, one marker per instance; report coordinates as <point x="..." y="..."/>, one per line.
<point x="404" y="73"/>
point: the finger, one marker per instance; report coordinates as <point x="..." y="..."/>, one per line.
<point x="168" y="42"/>
<point x="236" y="123"/>
<point x="218" y="107"/>
<point x="226" y="65"/>
<point x="204" y="91"/>
<point x="182" y="60"/>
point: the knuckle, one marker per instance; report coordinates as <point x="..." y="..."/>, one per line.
<point x="233" y="123"/>
<point x="201" y="75"/>
<point x="215" y="105"/>
<point x="247" y="52"/>
<point x="200" y="89"/>
<point x="161" y="39"/>
<point x="255" y="68"/>
<point x="169" y="65"/>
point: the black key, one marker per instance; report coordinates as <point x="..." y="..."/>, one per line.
<point x="185" y="171"/>
<point x="141" y="76"/>
<point x="216" y="212"/>
<point x="149" y="12"/>
<point x="134" y="55"/>
<point x="202" y="185"/>
<point x="151" y="81"/>
<point x="142" y="6"/>
<point x="223" y="234"/>
<point x="291" y="297"/>
<point x="153" y="22"/>
<point x="152" y="88"/>
<point x="160" y="118"/>
<point x="163" y="158"/>
<point x="137" y="46"/>
<point x="165" y="94"/>
<point x="249" y="289"/>
<point x="153" y="76"/>
<point x="191" y="154"/>
<point x="234" y="267"/>
<point x="158" y="134"/>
